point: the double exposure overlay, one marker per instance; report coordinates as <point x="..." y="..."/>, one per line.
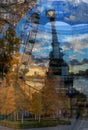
<point x="44" y="63"/>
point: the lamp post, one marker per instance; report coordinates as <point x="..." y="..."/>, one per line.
<point x="56" y="56"/>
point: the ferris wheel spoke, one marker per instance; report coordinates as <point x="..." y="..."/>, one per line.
<point x="29" y="43"/>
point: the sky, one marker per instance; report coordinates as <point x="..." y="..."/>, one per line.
<point x="72" y="30"/>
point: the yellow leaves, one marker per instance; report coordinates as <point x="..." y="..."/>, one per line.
<point x="9" y="101"/>
<point x="36" y="104"/>
<point x="9" y="45"/>
<point x="49" y="96"/>
<point x="17" y="55"/>
<point x="14" y="61"/>
<point x="12" y="98"/>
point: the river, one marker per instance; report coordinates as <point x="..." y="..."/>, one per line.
<point x="81" y="84"/>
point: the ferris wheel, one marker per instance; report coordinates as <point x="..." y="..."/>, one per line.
<point x="29" y="38"/>
<point x="27" y="45"/>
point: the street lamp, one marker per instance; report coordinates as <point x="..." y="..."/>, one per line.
<point x="55" y="55"/>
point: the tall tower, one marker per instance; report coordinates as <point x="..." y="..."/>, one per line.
<point x="57" y="66"/>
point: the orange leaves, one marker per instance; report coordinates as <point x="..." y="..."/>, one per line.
<point x="9" y="46"/>
<point x="12" y="98"/>
<point x="49" y="96"/>
<point x="9" y="101"/>
<point x="15" y="60"/>
<point x="36" y="104"/>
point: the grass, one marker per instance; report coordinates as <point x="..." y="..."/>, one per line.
<point x="34" y="124"/>
<point x="27" y="124"/>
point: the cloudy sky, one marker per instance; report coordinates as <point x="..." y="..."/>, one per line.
<point x="72" y="31"/>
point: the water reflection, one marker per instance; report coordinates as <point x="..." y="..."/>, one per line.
<point x="81" y="84"/>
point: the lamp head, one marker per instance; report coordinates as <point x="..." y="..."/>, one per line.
<point x="51" y="14"/>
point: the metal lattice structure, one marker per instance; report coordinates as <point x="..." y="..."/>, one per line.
<point x="10" y="8"/>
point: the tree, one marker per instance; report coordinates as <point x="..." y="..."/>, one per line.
<point x="50" y="97"/>
<point x="9" y="45"/>
<point x="64" y="103"/>
<point x="7" y="100"/>
<point x="14" y="11"/>
<point x="13" y="99"/>
<point x="81" y="97"/>
<point x="81" y="104"/>
<point x="36" y="105"/>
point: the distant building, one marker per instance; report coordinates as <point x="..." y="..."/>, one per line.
<point x="36" y="76"/>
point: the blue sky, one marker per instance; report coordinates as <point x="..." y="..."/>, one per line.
<point x="71" y="26"/>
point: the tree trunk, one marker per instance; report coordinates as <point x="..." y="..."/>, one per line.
<point x="22" y="118"/>
<point x="11" y="117"/>
<point x="17" y="116"/>
<point x="14" y="114"/>
<point x="39" y="117"/>
<point x="35" y="117"/>
<point x="2" y="71"/>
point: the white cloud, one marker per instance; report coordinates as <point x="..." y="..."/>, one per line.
<point x="72" y="18"/>
<point x="44" y="36"/>
<point x="77" y="43"/>
<point x="43" y="43"/>
<point x="78" y="1"/>
<point x="72" y="56"/>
